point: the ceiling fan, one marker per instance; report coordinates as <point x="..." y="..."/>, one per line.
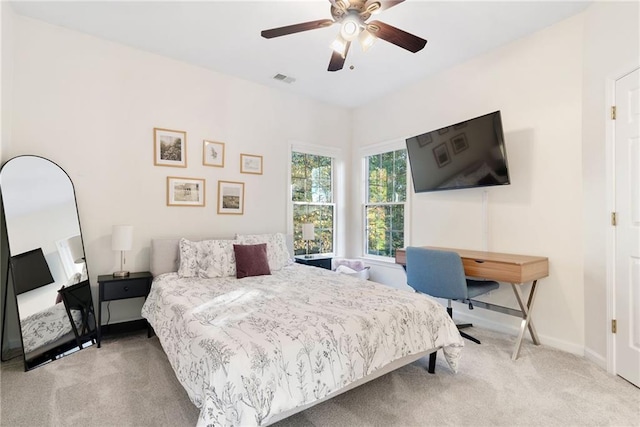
<point x="352" y="16"/>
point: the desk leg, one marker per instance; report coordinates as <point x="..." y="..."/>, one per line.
<point x="526" y="317"/>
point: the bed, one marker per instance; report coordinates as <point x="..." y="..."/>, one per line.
<point x="255" y="350"/>
<point x="48" y="326"/>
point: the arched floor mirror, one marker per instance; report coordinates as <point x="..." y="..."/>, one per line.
<point x="48" y="310"/>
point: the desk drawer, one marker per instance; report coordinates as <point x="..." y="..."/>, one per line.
<point x="490" y="269"/>
<point x="506" y="271"/>
<point x="123" y="289"/>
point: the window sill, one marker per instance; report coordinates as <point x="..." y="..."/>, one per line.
<point x="382" y="261"/>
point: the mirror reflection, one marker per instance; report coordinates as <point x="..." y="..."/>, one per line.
<point x="47" y="267"/>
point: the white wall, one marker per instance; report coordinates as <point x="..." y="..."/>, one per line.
<point x="6" y="77"/>
<point x="6" y="71"/>
<point x="91" y="106"/>
<point x="536" y="82"/>
<point x="612" y="49"/>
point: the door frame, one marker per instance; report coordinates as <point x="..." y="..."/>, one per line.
<point x="610" y="159"/>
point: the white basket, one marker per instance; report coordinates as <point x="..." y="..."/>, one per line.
<point x="362" y="274"/>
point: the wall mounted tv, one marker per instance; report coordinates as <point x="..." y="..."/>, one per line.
<point x="30" y="271"/>
<point x="465" y="155"/>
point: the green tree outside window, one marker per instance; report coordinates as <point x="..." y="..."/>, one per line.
<point x="312" y="196"/>
<point x="386" y="188"/>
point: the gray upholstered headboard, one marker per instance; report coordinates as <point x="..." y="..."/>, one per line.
<point x="165" y="253"/>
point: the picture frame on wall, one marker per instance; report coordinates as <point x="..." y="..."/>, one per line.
<point x="424" y="139"/>
<point x="185" y="191"/>
<point x="459" y="143"/>
<point x="169" y="148"/>
<point x="230" y="197"/>
<point x="213" y="153"/>
<point x="441" y="153"/>
<point x="251" y="163"/>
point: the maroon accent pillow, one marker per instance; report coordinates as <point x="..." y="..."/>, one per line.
<point x="251" y="260"/>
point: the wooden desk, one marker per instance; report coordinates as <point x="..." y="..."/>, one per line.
<point x="515" y="269"/>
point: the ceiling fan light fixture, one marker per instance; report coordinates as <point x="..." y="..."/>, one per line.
<point x="373" y="8"/>
<point x="366" y="40"/>
<point x="352" y="15"/>
<point x="350" y="28"/>
<point x="340" y="45"/>
<point x="342" y="4"/>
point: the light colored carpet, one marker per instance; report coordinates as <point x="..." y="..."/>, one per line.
<point x="128" y="382"/>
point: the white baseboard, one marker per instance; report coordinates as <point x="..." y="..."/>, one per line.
<point x="508" y="329"/>
<point x="596" y="358"/>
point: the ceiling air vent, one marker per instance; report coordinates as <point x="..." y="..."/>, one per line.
<point x="283" y="78"/>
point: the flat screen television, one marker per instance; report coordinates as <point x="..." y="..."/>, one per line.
<point x="30" y="271"/>
<point x="464" y="155"/>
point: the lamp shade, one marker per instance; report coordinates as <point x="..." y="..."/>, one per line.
<point x="308" y="232"/>
<point x="122" y="237"/>
<point x="75" y="248"/>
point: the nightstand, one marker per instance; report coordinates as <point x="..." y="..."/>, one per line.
<point x="135" y="285"/>
<point x="78" y="298"/>
<point x="317" y="260"/>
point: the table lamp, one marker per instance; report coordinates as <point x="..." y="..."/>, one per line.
<point x="308" y="234"/>
<point x="75" y="249"/>
<point x="122" y="240"/>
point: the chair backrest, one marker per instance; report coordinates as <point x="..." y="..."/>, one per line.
<point x="436" y="273"/>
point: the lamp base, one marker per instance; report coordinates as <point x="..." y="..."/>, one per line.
<point x="120" y="274"/>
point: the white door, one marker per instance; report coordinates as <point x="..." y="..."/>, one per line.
<point x="627" y="232"/>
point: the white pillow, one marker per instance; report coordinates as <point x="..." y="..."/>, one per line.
<point x="277" y="252"/>
<point x="188" y="258"/>
<point x="207" y="258"/>
<point x="217" y="258"/>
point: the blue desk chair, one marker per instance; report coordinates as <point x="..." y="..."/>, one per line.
<point x="441" y="274"/>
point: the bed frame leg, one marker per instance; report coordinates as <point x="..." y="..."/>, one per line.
<point x="432" y="362"/>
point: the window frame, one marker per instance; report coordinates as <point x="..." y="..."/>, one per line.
<point x="336" y="162"/>
<point x="365" y="153"/>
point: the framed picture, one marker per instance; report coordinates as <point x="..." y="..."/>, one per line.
<point x="459" y="143"/>
<point x="441" y="153"/>
<point x="443" y="131"/>
<point x="230" y="197"/>
<point x="250" y="163"/>
<point x="459" y="125"/>
<point x="169" y="148"/>
<point x="213" y="153"/>
<point x="185" y="191"/>
<point x="424" y="139"/>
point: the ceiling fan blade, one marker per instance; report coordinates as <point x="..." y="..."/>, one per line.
<point x="296" y="28"/>
<point x="337" y="60"/>
<point x="396" y="36"/>
<point x="375" y="6"/>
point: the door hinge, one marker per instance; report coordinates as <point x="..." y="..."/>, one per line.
<point x="613" y="112"/>
<point x="614" y="219"/>
<point x="614" y="326"/>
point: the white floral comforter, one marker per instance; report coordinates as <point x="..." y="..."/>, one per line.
<point x="248" y="349"/>
<point x="47" y="326"/>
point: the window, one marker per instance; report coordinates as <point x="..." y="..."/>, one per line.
<point x="385" y="197"/>
<point x="313" y="201"/>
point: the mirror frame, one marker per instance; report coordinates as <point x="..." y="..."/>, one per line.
<point x="68" y="344"/>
